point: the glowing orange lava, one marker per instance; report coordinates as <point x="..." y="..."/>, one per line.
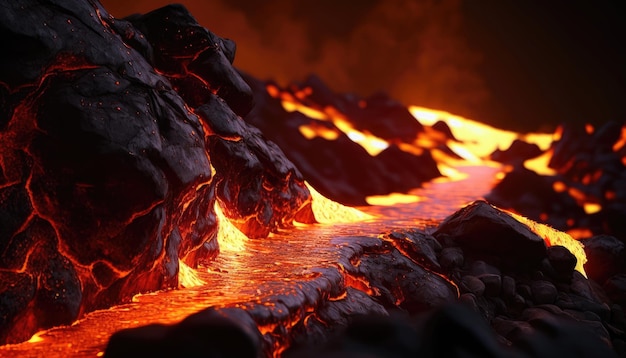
<point x="554" y="237"/>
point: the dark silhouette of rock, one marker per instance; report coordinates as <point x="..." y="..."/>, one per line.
<point x="229" y="332"/>
<point x="517" y="152"/>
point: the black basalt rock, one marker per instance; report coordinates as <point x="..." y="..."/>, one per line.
<point x="488" y="231"/>
<point x="105" y="178"/>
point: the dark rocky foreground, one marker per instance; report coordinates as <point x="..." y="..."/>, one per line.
<point x="109" y="131"/>
<point x="414" y="293"/>
<point x="118" y="137"/>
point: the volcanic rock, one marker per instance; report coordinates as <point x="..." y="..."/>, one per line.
<point x="590" y="168"/>
<point x="615" y="287"/>
<point x="606" y="256"/>
<point x="519" y="151"/>
<point x="261" y="189"/>
<point x="105" y="177"/>
<point x="451" y="257"/>
<point x="493" y="284"/>
<point x="99" y="150"/>
<point x="488" y="231"/>
<point x="332" y="162"/>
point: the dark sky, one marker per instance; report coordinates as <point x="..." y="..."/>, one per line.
<point x="523" y="65"/>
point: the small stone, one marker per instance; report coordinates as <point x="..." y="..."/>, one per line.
<point x="516" y="305"/>
<point x="493" y="284"/>
<point x="543" y="292"/>
<point x="469" y="299"/>
<point x="615" y="288"/>
<point x="480" y="267"/>
<point x="524" y="291"/>
<point x="573" y="301"/>
<point x="511" y="329"/>
<point x="473" y="285"/>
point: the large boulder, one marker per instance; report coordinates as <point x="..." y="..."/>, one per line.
<point x="490" y="232"/>
<point x="105" y="178"/>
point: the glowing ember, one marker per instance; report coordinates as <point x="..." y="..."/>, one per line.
<point x="540" y="164"/>
<point x="311" y="131"/>
<point x="279" y="292"/>
<point x="372" y="144"/>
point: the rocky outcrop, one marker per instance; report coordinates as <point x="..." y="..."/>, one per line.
<point x="587" y="190"/>
<point x="336" y="165"/>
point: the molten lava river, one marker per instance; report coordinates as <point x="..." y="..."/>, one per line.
<point x="249" y="272"/>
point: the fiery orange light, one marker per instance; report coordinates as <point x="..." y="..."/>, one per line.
<point x="327" y="211"/>
<point x="540" y="164"/>
<point x="580" y="233"/>
<point x="188" y="277"/>
<point x="554" y="237"/>
<point x="559" y="186"/>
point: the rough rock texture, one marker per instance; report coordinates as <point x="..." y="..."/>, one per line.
<point x="105" y="177"/>
<point x="392" y="296"/>
<point x="334" y="164"/>
<point x="590" y="168"/>
<point x="261" y="190"/>
<point x="517" y="152"/>
<point x="488" y="232"/>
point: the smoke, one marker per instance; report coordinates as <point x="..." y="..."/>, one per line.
<point x="413" y="50"/>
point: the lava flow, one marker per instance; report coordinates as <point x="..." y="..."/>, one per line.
<point x="148" y="205"/>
